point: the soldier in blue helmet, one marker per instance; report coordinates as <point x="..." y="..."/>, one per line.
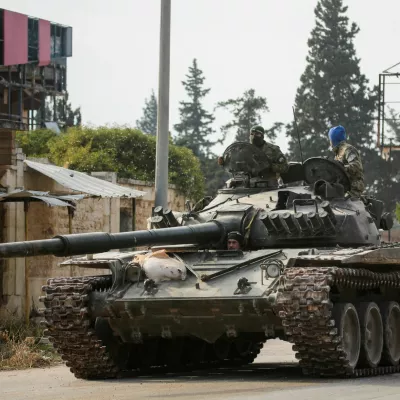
<point x="350" y="158"/>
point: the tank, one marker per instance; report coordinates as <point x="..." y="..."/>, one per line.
<point x="312" y="271"/>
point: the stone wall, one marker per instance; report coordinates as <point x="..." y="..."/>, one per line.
<point x="394" y="236"/>
<point x="144" y="205"/>
<point x="90" y="215"/>
<point x="12" y="292"/>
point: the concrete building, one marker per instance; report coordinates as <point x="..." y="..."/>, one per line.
<point x="33" y="69"/>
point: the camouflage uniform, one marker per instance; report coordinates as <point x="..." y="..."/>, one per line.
<point x="350" y="158"/>
<point x="278" y="161"/>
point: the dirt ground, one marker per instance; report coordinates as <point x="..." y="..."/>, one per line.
<point x="274" y="376"/>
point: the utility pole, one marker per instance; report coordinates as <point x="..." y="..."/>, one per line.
<point x="163" y="107"/>
<point x="391" y="170"/>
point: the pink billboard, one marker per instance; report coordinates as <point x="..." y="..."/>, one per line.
<point x="15" y="38"/>
<point x="44" y="42"/>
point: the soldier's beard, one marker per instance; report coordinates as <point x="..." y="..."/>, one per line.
<point x="257" y="141"/>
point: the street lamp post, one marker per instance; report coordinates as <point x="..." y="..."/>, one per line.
<point x="391" y="170"/>
<point x="161" y="183"/>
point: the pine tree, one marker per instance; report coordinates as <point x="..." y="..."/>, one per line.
<point x="195" y="129"/>
<point x="389" y="184"/>
<point x="195" y="126"/>
<point x="393" y="123"/>
<point x="148" y="122"/>
<point x="64" y="114"/>
<point x="247" y="111"/>
<point x="333" y="91"/>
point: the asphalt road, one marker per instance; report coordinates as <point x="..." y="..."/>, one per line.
<point x="274" y="376"/>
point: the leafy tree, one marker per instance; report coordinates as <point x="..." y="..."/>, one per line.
<point x="333" y="91"/>
<point x="36" y="143"/>
<point x="398" y="211"/>
<point x="128" y="152"/>
<point x="215" y="176"/>
<point x="247" y="111"/>
<point x="148" y="122"/>
<point x="194" y="128"/>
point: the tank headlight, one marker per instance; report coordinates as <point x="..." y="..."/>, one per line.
<point x="272" y="271"/>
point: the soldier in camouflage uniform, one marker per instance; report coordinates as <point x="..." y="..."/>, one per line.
<point x="350" y="158"/>
<point x="278" y="162"/>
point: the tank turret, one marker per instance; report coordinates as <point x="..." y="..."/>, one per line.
<point x="287" y="216"/>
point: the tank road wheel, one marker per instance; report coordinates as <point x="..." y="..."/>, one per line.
<point x="119" y="351"/>
<point x="195" y="351"/>
<point x="149" y="352"/>
<point x="371" y="335"/>
<point x="222" y="348"/>
<point x="348" y="325"/>
<point x="244" y="347"/>
<point x="173" y="353"/>
<point x="391" y="333"/>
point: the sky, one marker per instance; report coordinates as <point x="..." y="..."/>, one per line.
<point x="239" y="44"/>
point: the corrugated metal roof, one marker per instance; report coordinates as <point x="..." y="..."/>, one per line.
<point x="72" y="197"/>
<point x="82" y="183"/>
<point x="22" y="195"/>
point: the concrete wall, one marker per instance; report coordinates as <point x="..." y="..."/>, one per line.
<point x="91" y="215"/>
<point x="13" y="230"/>
<point x="176" y="201"/>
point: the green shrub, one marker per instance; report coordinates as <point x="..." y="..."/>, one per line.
<point x="36" y="143"/>
<point x="126" y="151"/>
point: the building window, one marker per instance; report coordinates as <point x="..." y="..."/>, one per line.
<point x="56" y="41"/>
<point x="33" y="39"/>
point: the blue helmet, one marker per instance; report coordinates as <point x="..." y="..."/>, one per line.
<point x="337" y="134"/>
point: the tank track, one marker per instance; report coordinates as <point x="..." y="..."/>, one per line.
<point x="71" y="330"/>
<point x="305" y="306"/>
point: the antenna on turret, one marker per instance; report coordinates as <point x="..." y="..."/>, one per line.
<point x="298" y="135"/>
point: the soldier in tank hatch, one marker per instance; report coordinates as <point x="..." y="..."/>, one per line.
<point x="350" y="158"/>
<point x="235" y="241"/>
<point x="278" y="162"/>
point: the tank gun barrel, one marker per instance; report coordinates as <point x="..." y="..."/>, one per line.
<point x="98" y="242"/>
